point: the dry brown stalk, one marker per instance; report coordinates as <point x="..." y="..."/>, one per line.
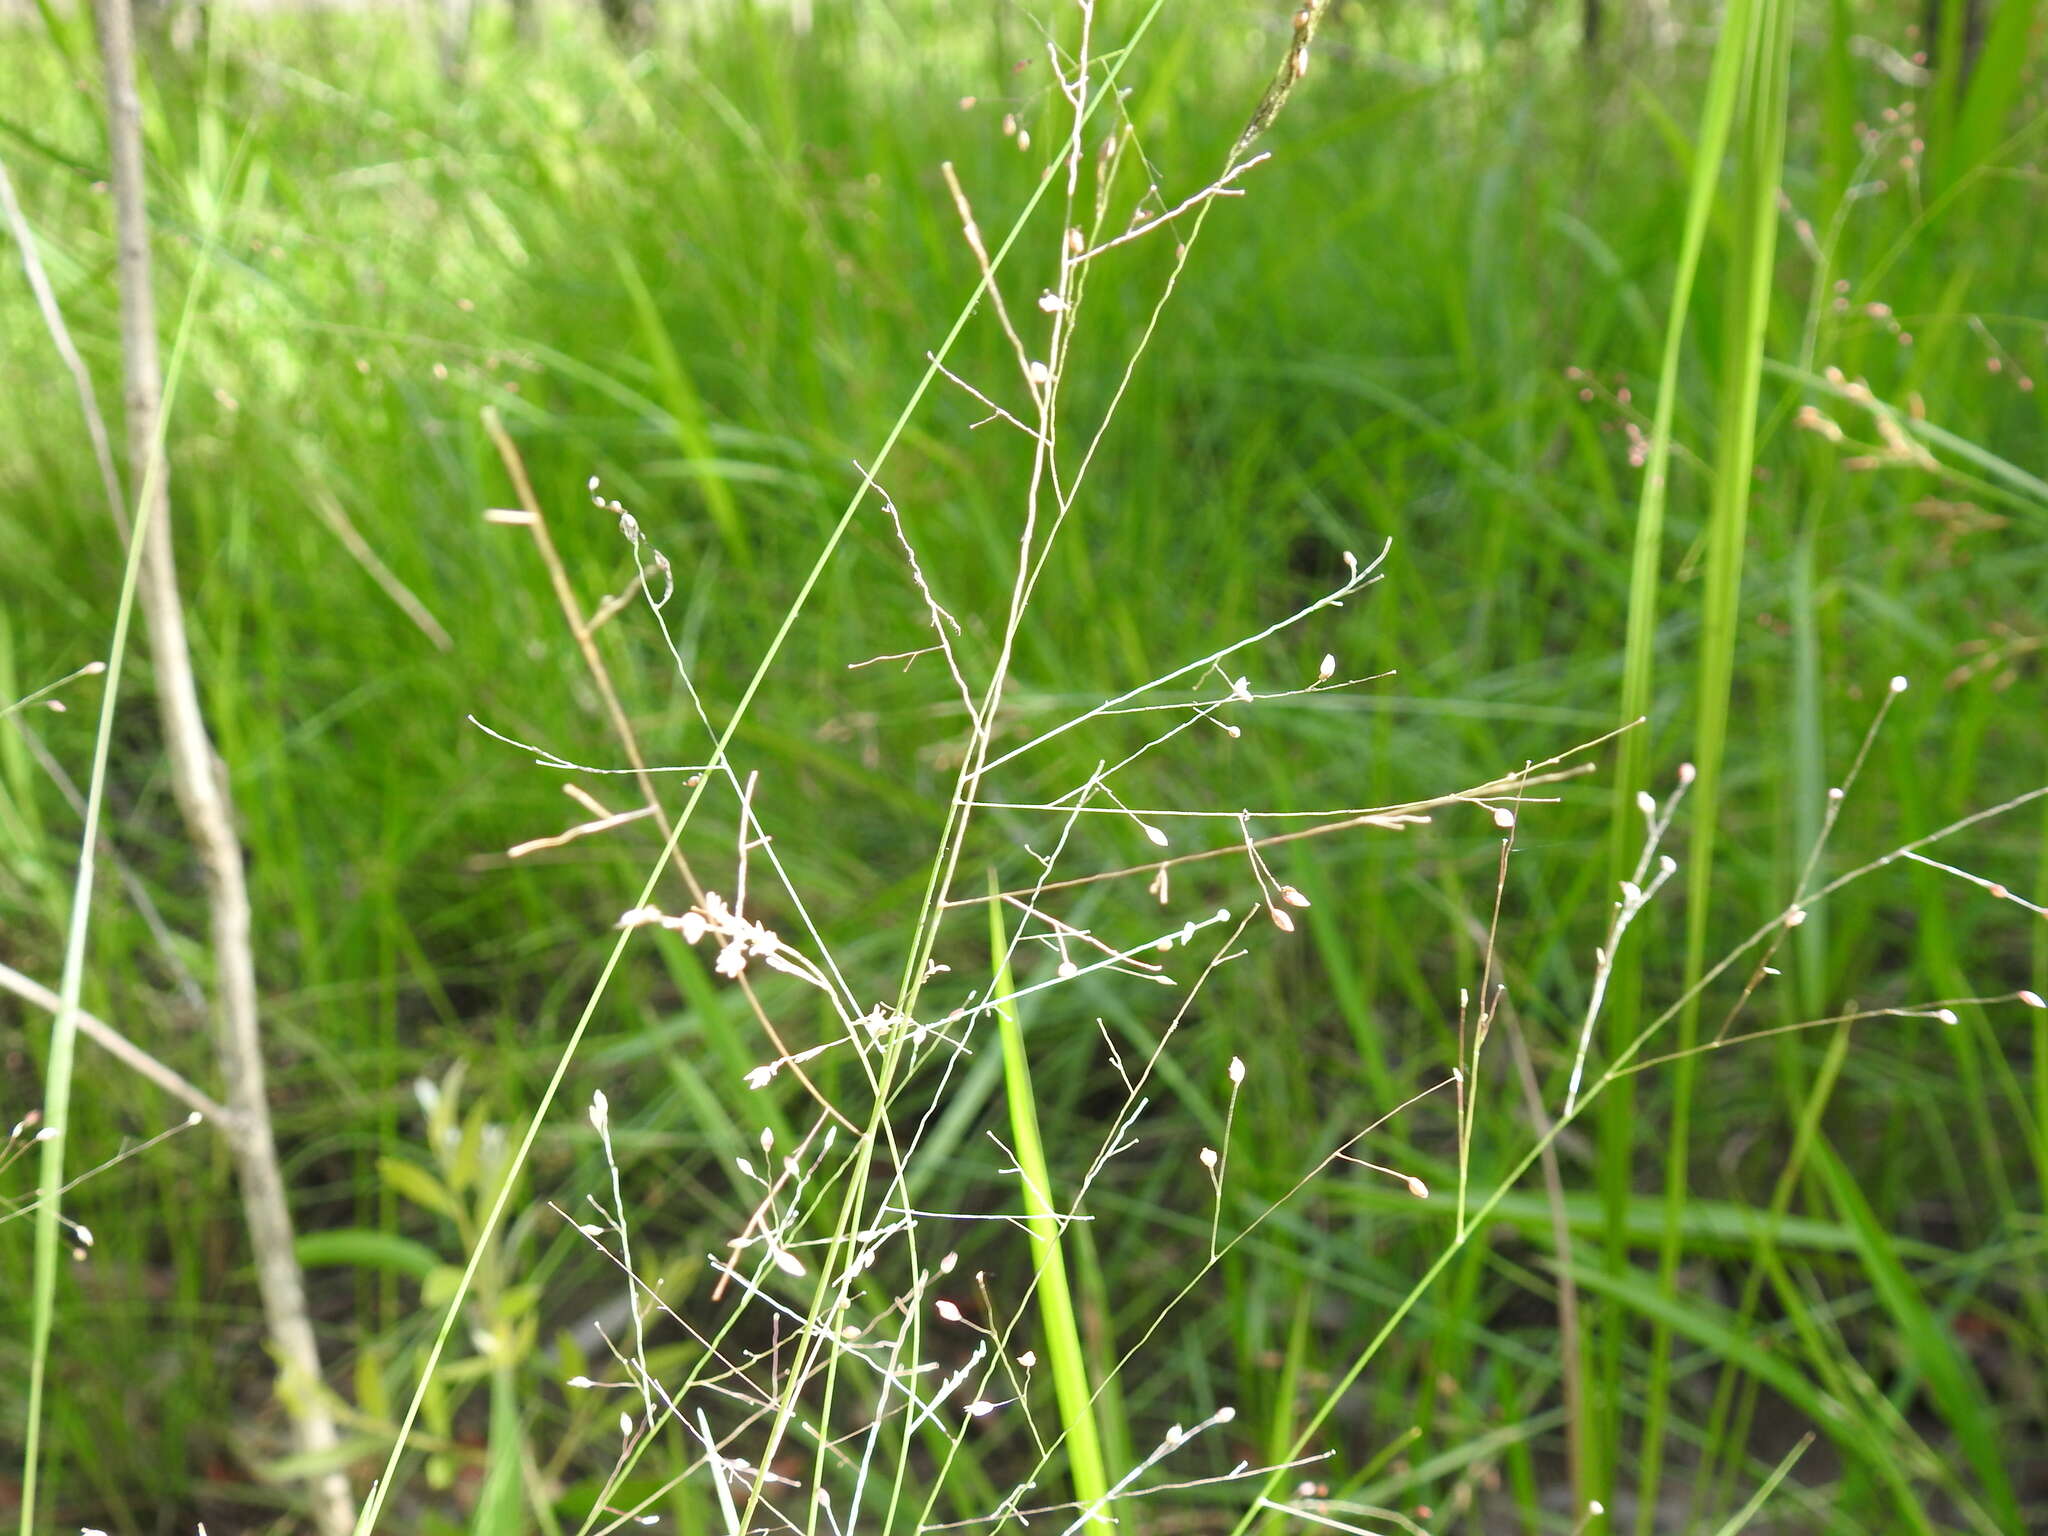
<point x="583" y="632"/>
<point x="199" y="779"/>
<point x="123" y="1050"/>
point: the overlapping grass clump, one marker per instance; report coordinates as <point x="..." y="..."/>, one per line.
<point x="708" y="274"/>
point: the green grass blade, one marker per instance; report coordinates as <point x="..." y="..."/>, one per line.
<point x="1946" y="20"/>
<point x="1838" y="104"/>
<point x="1712" y="1328"/>
<point x="1749" y="1511"/>
<point x="1064" y="1353"/>
<point x="1616" y="1122"/>
<point x="1286" y="1388"/>
<point x="685" y="406"/>
<point x="501" y="1501"/>
<point x="1929" y="1346"/>
<point x="58" y="1067"/>
<point x="1098" y="1313"/>
<point x="1765" y="40"/>
<point x="1996" y="85"/>
<point x="1771" y="1231"/>
<point x="1647" y="553"/>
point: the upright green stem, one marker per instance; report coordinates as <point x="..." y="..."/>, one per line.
<point x="1766" y="48"/>
<point x="1064" y="1353"/>
<point x="1616" y="1120"/>
<point x="57" y="1069"/>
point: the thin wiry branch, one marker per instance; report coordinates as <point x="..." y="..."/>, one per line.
<point x="125" y="1051"/>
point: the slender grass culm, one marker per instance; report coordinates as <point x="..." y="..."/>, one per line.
<point x="1066" y="1354"/>
<point x="1764" y="35"/>
<point x="1600" y="1444"/>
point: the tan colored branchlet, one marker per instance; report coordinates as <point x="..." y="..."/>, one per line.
<point x="199" y="779"/>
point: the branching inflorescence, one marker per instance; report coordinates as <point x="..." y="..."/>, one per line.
<point x="842" y="1358"/>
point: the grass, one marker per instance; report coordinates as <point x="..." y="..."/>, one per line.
<point x="712" y="273"/>
<point x="1761" y="38"/>
<point x="1067" y="1355"/>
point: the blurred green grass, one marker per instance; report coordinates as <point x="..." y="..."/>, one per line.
<point x="707" y="272"/>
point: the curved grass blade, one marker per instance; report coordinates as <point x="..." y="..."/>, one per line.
<point x="1063" y="1349"/>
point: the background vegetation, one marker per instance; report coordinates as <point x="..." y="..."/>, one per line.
<point x="704" y="263"/>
